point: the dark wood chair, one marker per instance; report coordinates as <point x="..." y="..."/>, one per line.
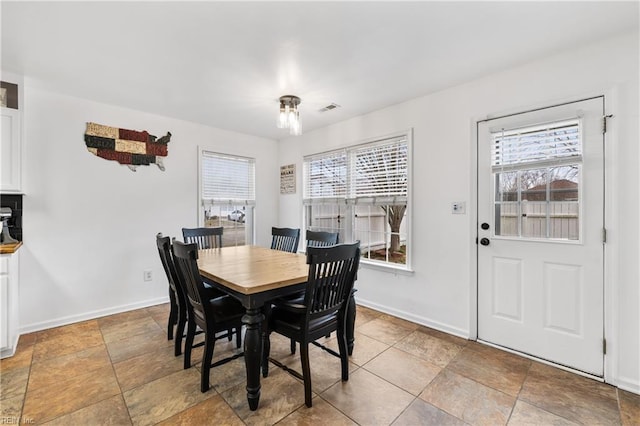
<point x="177" y="298"/>
<point x="332" y="273"/>
<point x="314" y="239"/>
<point x="321" y="239"/>
<point x="211" y="315"/>
<point x="285" y="239"/>
<point x="205" y="238"/>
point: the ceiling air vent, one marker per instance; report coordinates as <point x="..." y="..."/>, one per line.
<point x="329" y="107"/>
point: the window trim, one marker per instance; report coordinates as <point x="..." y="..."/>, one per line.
<point x="373" y="264"/>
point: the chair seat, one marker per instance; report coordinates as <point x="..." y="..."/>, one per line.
<point x="290" y="323"/>
<point x="226" y="308"/>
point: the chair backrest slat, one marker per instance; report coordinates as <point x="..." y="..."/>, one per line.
<point x="185" y="257"/>
<point x="321" y="239"/>
<point x="164" y="250"/>
<point x="285" y="239"/>
<point x="332" y="273"/>
<point x="205" y="238"/>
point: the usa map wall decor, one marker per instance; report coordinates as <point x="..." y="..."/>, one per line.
<point x="128" y="147"/>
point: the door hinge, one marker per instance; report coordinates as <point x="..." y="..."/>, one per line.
<point x="604" y="346"/>
<point x="604" y="235"/>
<point x="604" y="122"/>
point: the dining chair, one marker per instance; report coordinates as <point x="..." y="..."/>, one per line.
<point x="205" y="238"/>
<point x="285" y="239"/>
<point x="212" y="315"/>
<point x="332" y="273"/>
<point x="314" y="239"/>
<point x="321" y="239"/>
<point x="178" y="307"/>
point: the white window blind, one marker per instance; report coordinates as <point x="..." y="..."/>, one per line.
<point x="379" y="172"/>
<point x="372" y="173"/>
<point x="227" y="179"/>
<point x="544" y="145"/>
<point x="325" y="177"/>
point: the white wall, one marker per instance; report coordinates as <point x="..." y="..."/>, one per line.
<point x="90" y="224"/>
<point x="441" y="292"/>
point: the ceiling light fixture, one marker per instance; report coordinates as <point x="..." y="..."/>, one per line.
<point x="289" y="117"/>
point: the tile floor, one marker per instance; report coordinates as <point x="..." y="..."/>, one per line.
<point x="120" y="370"/>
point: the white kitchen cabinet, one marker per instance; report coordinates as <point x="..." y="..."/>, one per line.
<point x="11" y="151"/>
<point x="9" y="299"/>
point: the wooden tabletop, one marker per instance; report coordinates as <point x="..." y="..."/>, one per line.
<point x="252" y="269"/>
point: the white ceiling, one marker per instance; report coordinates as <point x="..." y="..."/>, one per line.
<point x="225" y="64"/>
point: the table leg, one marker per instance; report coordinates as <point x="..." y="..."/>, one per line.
<point x="351" y="322"/>
<point x="253" y="354"/>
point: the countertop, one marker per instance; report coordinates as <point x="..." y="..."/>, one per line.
<point x="10" y="248"/>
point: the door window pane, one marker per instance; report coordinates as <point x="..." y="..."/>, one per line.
<point x="538" y="203"/>
<point x="564" y="207"/>
<point x="506" y="206"/>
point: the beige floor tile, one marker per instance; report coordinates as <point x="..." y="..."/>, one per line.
<point x="385" y="331"/>
<point x="160" y="314"/>
<point x="433" y="349"/>
<point x="84" y="328"/>
<point x="147" y="367"/>
<point x="22" y="358"/>
<point x="629" y="408"/>
<point x="443" y="336"/>
<point x="403" y="370"/>
<point x="67" y="375"/>
<point x="11" y="408"/>
<point x="325" y="368"/>
<point x="528" y="415"/>
<point x="399" y="322"/>
<point x="123" y="317"/>
<point x="367" y="399"/>
<point x="127" y="329"/>
<point x="365" y="348"/>
<point x="364" y="315"/>
<point x="280" y="394"/>
<point x="111" y="411"/>
<point x="13" y="383"/>
<point x="56" y="370"/>
<point x="120" y="350"/>
<point x="423" y="413"/>
<point x="226" y="376"/>
<point x="77" y="391"/>
<point x="66" y="340"/>
<point x="468" y="400"/>
<point x="212" y="411"/>
<point x="492" y="367"/>
<point x="163" y="398"/>
<point x="322" y="413"/>
<point x="570" y="396"/>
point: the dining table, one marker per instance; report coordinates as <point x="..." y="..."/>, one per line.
<point x="255" y="276"/>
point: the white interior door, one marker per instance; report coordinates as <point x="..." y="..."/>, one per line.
<point x="540" y="233"/>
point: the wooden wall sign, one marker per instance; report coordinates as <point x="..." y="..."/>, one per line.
<point x="131" y="148"/>
<point x="288" y="179"/>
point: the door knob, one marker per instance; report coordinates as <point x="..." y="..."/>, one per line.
<point x="484" y="226"/>
<point x="484" y="241"/>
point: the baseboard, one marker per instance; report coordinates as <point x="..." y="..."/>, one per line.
<point x="427" y="322"/>
<point x="628" y="384"/>
<point x="91" y="315"/>
<point x="11" y="350"/>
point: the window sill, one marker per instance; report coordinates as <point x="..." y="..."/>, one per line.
<point x="386" y="268"/>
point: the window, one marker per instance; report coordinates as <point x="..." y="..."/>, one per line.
<point x="362" y="192"/>
<point x="537" y="181"/>
<point x="227" y="193"/>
